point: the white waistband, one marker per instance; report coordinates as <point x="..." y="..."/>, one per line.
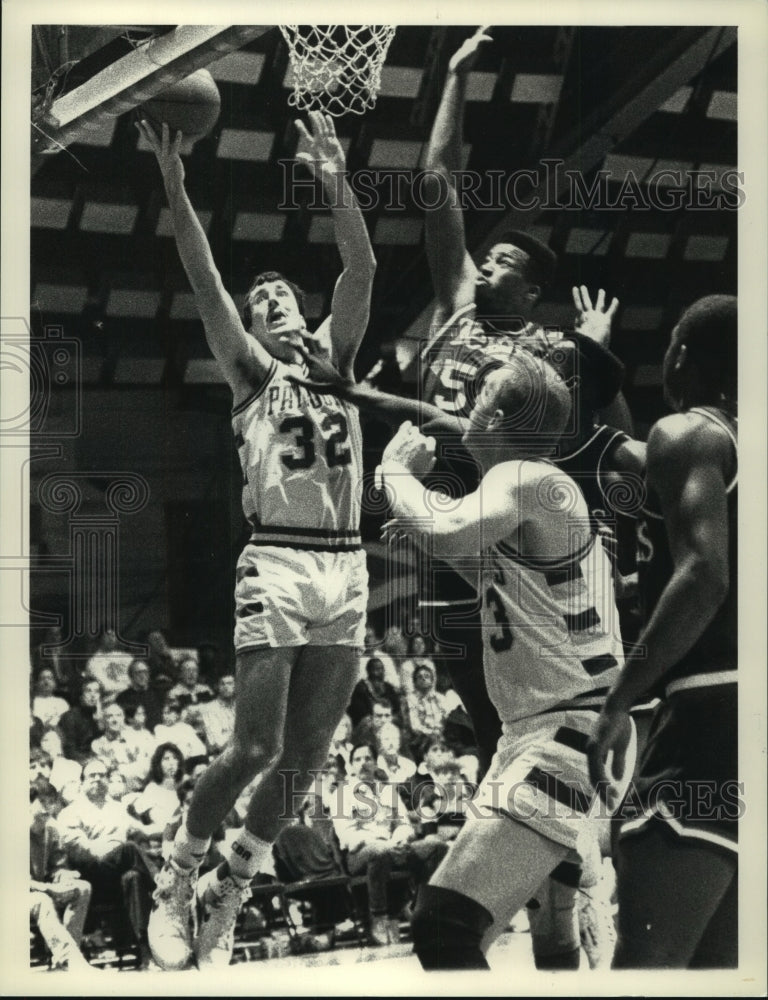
<point x="702" y="680"/>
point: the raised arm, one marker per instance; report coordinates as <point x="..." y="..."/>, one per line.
<point x="242" y="358"/>
<point x="321" y="150"/>
<point x="453" y="270"/>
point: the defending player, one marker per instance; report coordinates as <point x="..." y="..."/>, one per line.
<point x="551" y="649"/>
<point x="301" y="581"/>
<point x="482" y="314"/>
<point x="676" y="861"/>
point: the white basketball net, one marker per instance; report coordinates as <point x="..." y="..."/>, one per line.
<point x="336" y="67"/>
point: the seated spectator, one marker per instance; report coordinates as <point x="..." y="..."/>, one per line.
<point x="377" y="837"/>
<point x="368" y="728"/>
<point x="158" y="802"/>
<point x="59" y="898"/>
<point x="373" y="647"/>
<point x="424" y="709"/>
<point x="119" y="748"/>
<point x="373" y="688"/>
<point x="47" y="706"/>
<point x="140" y="693"/>
<point x="361" y="753"/>
<point x="136" y="721"/>
<point x="95" y="832"/>
<point x="341" y="744"/>
<point x="117" y="787"/>
<point x="417" y="654"/>
<point x="395" y="643"/>
<point x="181" y="734"/>
<point x="189" y="690"/>
<point x="397" y="768"/>
<point x="63" y="774"/>
<point x="218" y="716"/>
<point x="79" y="726"/>
<point x="49" y="654"/>
<point x="439" y="762"/>
<point x="459" y="735"/>
<point x="109" y="666"/>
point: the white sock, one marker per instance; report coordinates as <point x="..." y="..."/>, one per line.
<point x="188" y="851"/>
<point x="247" y="855"/>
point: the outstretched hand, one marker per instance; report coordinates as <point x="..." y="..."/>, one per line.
<point x="464" y="58"/>
<point x="322" y="375"/>
<point x="165" y="148"/>
<point x="319" y="146"/>
<point x="593" y="321"/>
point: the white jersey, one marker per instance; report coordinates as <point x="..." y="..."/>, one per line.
<point x="301" y="456"/>
<point x="551" y="636"/>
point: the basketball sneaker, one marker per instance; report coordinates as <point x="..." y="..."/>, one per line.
<point x="219" y="901"/>
<point x="171" y="923"/>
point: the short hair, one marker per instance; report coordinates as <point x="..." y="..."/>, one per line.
<point x="542" y="259"/>
<point x="359" y="746"/>
<point x="600" y="373"/>
<point x="137" y="662"/>
<point x="155" y="771"/>
<point x="374" y="659"/>
<point x="42" y="789"/>
<point x="131" y="709"/>
<point x="383" y="702"/>
<point x="262" y="279"/>
<point x="534" y="400"/>
<point x="709" y="328"/>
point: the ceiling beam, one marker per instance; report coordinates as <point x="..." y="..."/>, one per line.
<point x="145" y="71"/>
<point x="620" y="115"/>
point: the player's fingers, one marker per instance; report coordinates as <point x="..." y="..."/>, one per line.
<point x="619" y="761"/>
<point x="600" y="300"/>
<point x="587" y="300"/>
<point x="613" y="307"/>
<point x="329" y="125"/>
<point x="430" y="444"/>
<point x="577" y="298"/>
<point x="176" y="144"/>
<point x="301" y="128"/>
<point x="596" y="764"/>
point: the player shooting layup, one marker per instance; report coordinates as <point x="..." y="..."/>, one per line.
<point x="301" y="588"/>
<point x="551" y="649"/>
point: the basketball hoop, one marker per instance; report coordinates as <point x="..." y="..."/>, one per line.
<point x="336" y="67"/>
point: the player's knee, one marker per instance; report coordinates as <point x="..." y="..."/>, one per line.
<point x="448" y="928"/>
<point x="250" y="757"/>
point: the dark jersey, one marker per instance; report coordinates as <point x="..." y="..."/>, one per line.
<point x="452" y="366"/>
<point x="607" y="502"/>
<point x="716" y="648"/>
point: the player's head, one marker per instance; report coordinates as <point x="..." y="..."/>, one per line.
<point x="274" y="314"/>
<point x="512" y="275"/>
<point x="700" y="365"/>
<point x="521" y="410"/>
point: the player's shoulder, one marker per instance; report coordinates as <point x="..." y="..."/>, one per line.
<point x="688" y="438"/>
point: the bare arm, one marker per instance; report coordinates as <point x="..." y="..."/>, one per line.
<point x="469" y="524"/>
<point x="453" y="271"/>
<point x="242" y="359"/>
<point x="322" y="377"/>
<point x="687" y="470"/>
<point x="350" y="308"/>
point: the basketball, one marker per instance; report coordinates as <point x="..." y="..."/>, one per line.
<point x="191" y="106"/>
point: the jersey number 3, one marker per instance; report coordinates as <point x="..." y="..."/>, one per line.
<point x="303" y="456"/>
<point x="501" y="640"/>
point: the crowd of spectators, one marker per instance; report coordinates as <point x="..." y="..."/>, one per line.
<point x="117" y="744"/>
